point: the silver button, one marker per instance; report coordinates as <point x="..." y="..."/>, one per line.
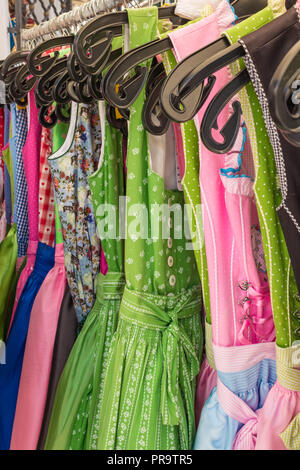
<point x="170" y="261"/>
<point x="244" y="285"/>
<point x="170" y="242"/>
<point x="170" y="223"/>
<point x="244" y="300"/>
<point x="172" y="280"/>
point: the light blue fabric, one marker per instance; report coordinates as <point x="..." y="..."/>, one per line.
<point x="235" y="172"/>
<point x="10" y="372"/>
<point x="216" y="430"/>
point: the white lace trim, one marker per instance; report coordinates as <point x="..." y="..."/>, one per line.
<point x="235" y="182"/>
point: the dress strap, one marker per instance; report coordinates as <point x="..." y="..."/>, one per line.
<point x="237" y="409"/>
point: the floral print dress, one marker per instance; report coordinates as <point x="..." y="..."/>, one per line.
<point x="70" y="167"/>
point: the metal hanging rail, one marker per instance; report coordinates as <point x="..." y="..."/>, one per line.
<point x="21" y="13"/>
<point x="66" y="20"/>
<point x="19" y="23"/>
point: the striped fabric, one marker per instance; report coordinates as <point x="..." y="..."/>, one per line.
<point x="21" y="189"/>
<point x="46" y="193"/>
<point x="291" y="435"/>
<point x="288" y="362"/>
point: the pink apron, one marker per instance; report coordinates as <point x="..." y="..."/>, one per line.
<point x="31" y="154"/>
<point x="42" y="329"/>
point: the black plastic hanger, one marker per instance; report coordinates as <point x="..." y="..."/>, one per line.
<point x="178" y="88"/>
<point x="115" y="122"/>
<point x="230" y="130"/>
<point x="38" y="64"/>
<point x="47" y="116"/>
<point x="132" y="87"/>
<point x="15" y="95"/>
<point x="76" y="72"/>
<point x="70" y="80"/>
<point x="94" y="86"/>
<point x="24" y="80"/>
<point x="182" y="88"/>
<point x="46" y="84"/>
<point x="82" y="91"/>
<point x="283" y="90"/>
<point x="154" y="119"/>
<point x="101" y="49"/>
<point x="59" y="91"/>
<point x="95" y="81"/>
<point x="12" y="64"/>
<point x="157" y="69"/>
<point x="182" y="99"/>
<point x="93" y="41"/>
<point x="210" y="120"/>
<point x="63" y="112"/>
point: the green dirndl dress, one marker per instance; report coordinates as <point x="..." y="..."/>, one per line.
<point x="78" y="395"/>
<point x="149" y="387"/>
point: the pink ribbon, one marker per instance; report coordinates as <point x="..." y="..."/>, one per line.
<point x="237" y="409"/>
<point x="245" y="439"/>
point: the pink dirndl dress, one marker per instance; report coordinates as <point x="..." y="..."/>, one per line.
<point x="44" y="317"/>
<point x="30" y="153"/>
<point x="242" y="321"/>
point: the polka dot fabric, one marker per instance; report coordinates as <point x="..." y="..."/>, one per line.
<point x="46" y="193"/>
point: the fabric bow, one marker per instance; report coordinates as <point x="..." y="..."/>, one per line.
<point x="245" y="439"/>
<point x="181" y="363"/>
<point x="178" y="352"/>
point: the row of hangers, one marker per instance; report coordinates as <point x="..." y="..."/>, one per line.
<point x="79" y="76"/>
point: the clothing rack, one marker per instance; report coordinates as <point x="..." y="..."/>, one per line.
<point x="77" y="16"/>
<point x="19" y="23"/>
